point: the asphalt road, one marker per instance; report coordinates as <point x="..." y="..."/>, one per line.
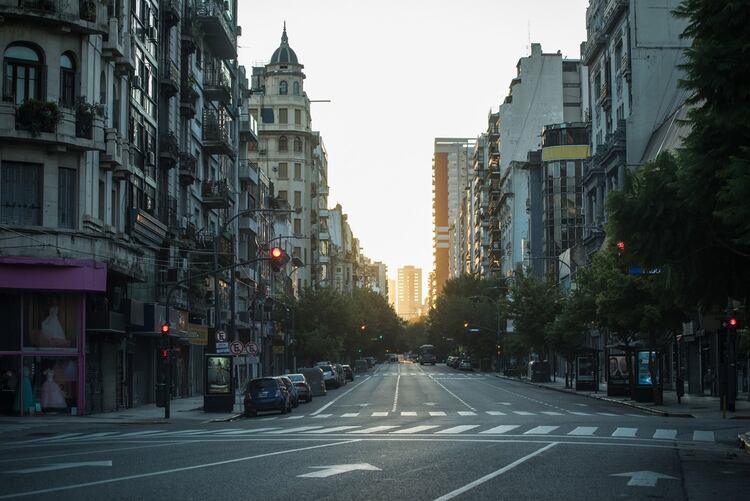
<point x="401" y="431"/>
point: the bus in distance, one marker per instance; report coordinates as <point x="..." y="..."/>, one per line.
<point x="426" y="354"/>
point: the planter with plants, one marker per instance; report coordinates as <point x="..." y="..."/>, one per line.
<point x="85" y="118"/>
<point x="38" y="116"/>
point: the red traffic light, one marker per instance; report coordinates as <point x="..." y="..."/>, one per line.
<point x="279" y="258"/>
<point x="164" y="353"/>
<point x="732" y="322"/>
<point x="621" y="246"/>
<point x="276" y="252"/>
<point x="165" y="328"/>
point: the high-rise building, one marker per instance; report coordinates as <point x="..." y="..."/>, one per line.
<point x="409" y="292"/>
<point x="451" y="165"/>
<point x="392" y="293"/>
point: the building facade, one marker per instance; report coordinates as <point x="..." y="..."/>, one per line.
<point x="409" y="292"/>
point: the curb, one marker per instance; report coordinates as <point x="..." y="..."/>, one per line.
<point x="603" y="398"/>
<point x="744" y="439"/>
<point x="226" y="419"/>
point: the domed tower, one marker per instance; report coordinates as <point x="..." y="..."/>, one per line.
<point x="285" y="149"/>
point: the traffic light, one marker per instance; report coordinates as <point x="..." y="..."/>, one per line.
<point x="730" y="320"/>
<point x="164" y="354"/>
<point x="363" y="327"/>
<point x="466" y="325"/>
<point x="165" y="329"/>
<point x="279" y="258"/>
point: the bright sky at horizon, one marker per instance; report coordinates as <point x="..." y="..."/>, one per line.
<point x="400" y="73"/>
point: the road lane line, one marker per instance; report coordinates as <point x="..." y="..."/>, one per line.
<point x="375" y="429"/>
<point x="395" y="395"/>
<point x="452" y="394"/>
<point x="584" y="430"/>
<point x="466" y="413"/>
<point x="293" y="430"/>
<point x="350" y="414"/>
<point x="480" y="481"/>
<point x="367" y="378"/>
<point x="497" y="430"/>
<point x="409" y="413"/>
<point x="625" y="432"/>
<point x="607" y="414"/>
<point x="91" y="436"/>
<point x="665" y="434"/>
<point x="458" y="429"/>
<point x="496" y="413"/>
<point x="523" y="413"/>
<point x="416" y="429"/>
<point x="703" y="436"/>
<point x="245" y="432"/>
<point x="541" y="430"/>
<point x="321" y="416"/>
<point x="552" y="413"/>
<point x="379" y="414"/>
<point x="56" y="437"/>
<point x="173" y="470"/>
<point x="333" y="430"/>
<point x="579" y="413"/>
<point x="437" y="413"/>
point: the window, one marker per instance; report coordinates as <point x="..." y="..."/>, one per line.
<point x="282" y="195"/>
<point x="283" y="116"/>
<point x="297" y="252"/>
<point x="295" y="88"/>
<point x="297" y="117"/>
<point x="21" y="194"/>
<point x="297" y="227"/>
<point x="297" y="145"/>
<point x="23" y="73"/>
<point x="283" y="144"/>
<point x="67" y="80"/>
<point x="283" y="170"/>
<point x="297" y="199"/>
<point x="298" y="172"/>
<point x="283" y="88"/>
<point x="66" y="198"/>
<point x="266" y="115"/>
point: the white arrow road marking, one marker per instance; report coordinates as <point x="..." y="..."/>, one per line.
<point x="337" y="469"/>
<point x="643" y="478"/>
<point x="61" y="466"/>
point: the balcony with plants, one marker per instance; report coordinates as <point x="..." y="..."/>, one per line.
<point x="216" y="194"/>
<point x="217" y="135"/>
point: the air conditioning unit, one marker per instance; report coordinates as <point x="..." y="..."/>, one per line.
<point x="151" y="158"/>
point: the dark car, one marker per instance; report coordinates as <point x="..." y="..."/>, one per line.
<point x="304" y="391"/>
<point x="348" y="372"/>
<point x="293" y="394"/>
<point x="266" y="394"/>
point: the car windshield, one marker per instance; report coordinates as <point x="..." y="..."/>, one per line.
<point x="296" y="377"/>
<point x="263" y="385"/>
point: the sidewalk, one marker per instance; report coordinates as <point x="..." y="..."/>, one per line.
<point x="691" y="406"/>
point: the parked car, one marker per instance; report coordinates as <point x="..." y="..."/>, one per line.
<point x="266" y="394"/>
<point x="370" y="361"/>
<point x="293" y="395"/>
<point x="466" y="365"/>
<point x="329" y="376"/>
<point x="303" y="387"/>
<point x="361" y="365"/>
<point x="340" y="376"/>
<point x="348" y="372"/>
<point x="315" y="378"/>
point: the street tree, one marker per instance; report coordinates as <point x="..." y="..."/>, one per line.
<point x="533" y="305"/>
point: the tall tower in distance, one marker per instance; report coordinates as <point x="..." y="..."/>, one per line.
<point x="409" y="292"/>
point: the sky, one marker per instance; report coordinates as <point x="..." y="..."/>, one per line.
<point x="400" y="73"/>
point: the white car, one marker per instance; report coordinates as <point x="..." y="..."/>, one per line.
<point x="466" y="365"/>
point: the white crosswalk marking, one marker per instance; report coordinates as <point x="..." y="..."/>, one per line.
<point x="497" y="430"/>
<point x="321" y="416"/>
<point x="437" y="413"/>
<point x="57" y="437"/>
<point x="292" y="418"/>
<point x="91" y="436"/>
<point x="458" y="429"/>
<point x="703" y="436"/>
<point x="552" y="413"/>
<point x="607" y="414"/>
<point x="583" y="430"/>
<point x="408" y="413"/>
<point x="375" y="429"/>
<point x="466" y="413"/>
<point x="665" y="434"/>
<point x="579" y="413"/>
<point x="247" y="432"/>
<point x="379" y="414"/>
<point x="416" y="429"/>
<point x="625" y="432"/>
<point x="294" y="430"/>
<point x="139" y="433"/>
<point x="495" y="413"/>
<point x="334" y="429"/>
<point x="523" y="413"/>
<point x="541" y="430"/>
<point x="350" y="414"/>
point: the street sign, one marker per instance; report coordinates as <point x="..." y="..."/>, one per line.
<point x="222" y="347"/>
<point x="643" y="478"/>
<point x="236" y="348"/>
<point x="221" y="337"/>
<point x="251" y="348"/>
<point x="337" y="469"/>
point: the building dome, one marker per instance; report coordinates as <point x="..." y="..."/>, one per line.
<point x="284" y="54"/>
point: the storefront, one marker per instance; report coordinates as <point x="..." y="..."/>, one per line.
<point x="42" y="335"/>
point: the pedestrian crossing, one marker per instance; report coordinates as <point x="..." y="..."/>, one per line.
<point x="432" y="413"/>
<point x="456" y="375"/>
<point x="478" y="430"/>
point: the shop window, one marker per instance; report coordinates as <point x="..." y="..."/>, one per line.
<point x="52" y="322"/>
<point x="21" y="194"/>
<point x="49" y="384"/>
<point x="10" y="313"/>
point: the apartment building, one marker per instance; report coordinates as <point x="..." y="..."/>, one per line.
<point x="409" y="292"/>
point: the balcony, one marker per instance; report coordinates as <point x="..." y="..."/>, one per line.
<point x="45" y="124"/>
<point x="217" y="133"/>
<point x="188" y="31"/>
<point x="170" y="12"/>
<point x="248" y="171"/>
<point x="217" y="84"/>
<point x="218" y="34"/>
<point x="84" y="16"/>
<point x="188" y="97"/>
<point x="216" y="194"/>
<point x="168" y="213"/>
<point x="188" y="166"/>
<point x="248" y="128"/>
<point x="605" y="98"/>
<point x="625" y="66"/>
<point x="611" y="13"/>
<point x="169" y="150"/>
<point x="169" y="78"/>
<point x="113" y="155"/>
<point x="113" y="43"/>
<point x="124" y="63"/>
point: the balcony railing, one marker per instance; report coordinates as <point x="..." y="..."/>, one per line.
<point x="170" y="78"/>
<point x="169" y="150"/>
<point x="248" y="128"/>
<point x="188" y="97"/>
<point x="216" y="194"/>
<point x="217" y="133"/>
<point x="219" y="36"/>
<point x="248" y="171"/>
<point x="84" y="16"/>
<point x="188" y="165"/>
<point x="217" y="84"/>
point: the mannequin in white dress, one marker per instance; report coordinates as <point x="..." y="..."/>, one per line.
<point x="52" y="395"/>
<point x="53" y="334"/>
